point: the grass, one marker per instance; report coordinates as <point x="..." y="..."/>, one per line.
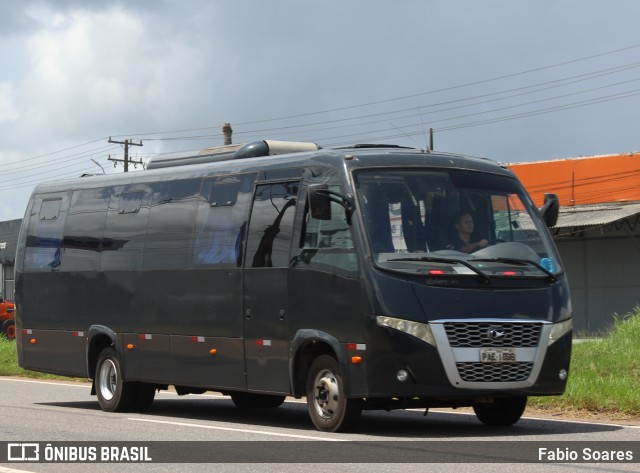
<point x="603" y="381"/>
<point x="604" y="376"/>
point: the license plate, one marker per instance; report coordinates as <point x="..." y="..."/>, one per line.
<point x="497" y="355"/>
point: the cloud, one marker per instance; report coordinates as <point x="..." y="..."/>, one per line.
<point x="82" y="71"/>
<point x="74" y="72"/>
<point x="8" y="108"/>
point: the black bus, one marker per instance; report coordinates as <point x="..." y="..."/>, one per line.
<point x="343" y="275"/>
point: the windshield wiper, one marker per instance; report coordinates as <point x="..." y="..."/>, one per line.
<point x="518" y="262"/>
<point x="431" y="259"/>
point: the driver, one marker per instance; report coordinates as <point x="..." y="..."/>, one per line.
<point x="461" y="241"/>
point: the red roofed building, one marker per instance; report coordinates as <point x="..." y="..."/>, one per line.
<point x="598" y="231"/>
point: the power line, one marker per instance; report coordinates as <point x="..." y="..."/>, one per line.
<point x="539" y="87"/>
<point x="468" y="84"/>
<point x="446" y="89"/>
<point x="310" y="128"/>
<point x="76" y="157"/>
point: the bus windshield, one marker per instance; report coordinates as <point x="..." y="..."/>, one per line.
<point x="453" y="223"/>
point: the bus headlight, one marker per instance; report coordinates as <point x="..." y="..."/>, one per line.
<point x="415" y="329"/>
<point x="559" y="330"/>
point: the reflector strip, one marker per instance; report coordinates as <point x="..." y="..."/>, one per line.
<point x="145" y="336"/>
<point x="263" y="343"/>
<point x="356" y="346"/>
<point x="197" y="339"/>
<point x="27" y="331"/>
<point x="78" y="334"/>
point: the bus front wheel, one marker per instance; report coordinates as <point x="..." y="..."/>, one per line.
<point x="501" y="412"/>
<point x="329" y="408"/>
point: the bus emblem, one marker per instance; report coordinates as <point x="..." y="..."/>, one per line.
<point x="496" y="334"/>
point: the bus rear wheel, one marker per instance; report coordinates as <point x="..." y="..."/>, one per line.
<point x="329" y="408"/>
<point x="501" y="412"/>
<point x="115" y="394"/>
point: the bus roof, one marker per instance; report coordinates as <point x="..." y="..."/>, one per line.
<point x="352" y="157"/>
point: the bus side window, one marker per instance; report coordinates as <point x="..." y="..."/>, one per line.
<point x="125" y="228"/>
<point x="170" y="227"/>
<point x="83" y="232"/>
<point x="271" y="225"/>
<point x="221" y="220"/>
<point x="45" y="235"/>
<point x="327" y="244"/>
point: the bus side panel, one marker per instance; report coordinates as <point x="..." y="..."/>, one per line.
<point x="334" y="305"/>
<point x="54" y="351"/>
<point x="205" y="302"/>
<point x="208" y="362"/>
<point x="147" y="356"/>
<point x="174" y="318"/>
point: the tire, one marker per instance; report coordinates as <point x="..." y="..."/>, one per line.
<point x="501" y="412"/>
<point x="145" y="396"/>
<point x="8" y="329"/>
<point x="329" y="408"/>
<point x="114" y="394"/>
<point x="245" y="400"/>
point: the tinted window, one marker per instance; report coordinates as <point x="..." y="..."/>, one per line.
<point x="50" y="209"/>
<point x="44" y="238"/>
<point x="221" y="220"/>
<point x="271" y="228"/>
<point x="170" y="228"/>
<point x="84" y="229"/>
<point x="327" y="245"/>
<point x="125" y="228"/>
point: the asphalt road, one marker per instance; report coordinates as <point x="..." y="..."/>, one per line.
<point x="209" y="428"/>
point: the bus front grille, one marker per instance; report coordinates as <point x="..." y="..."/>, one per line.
<point x="493" y="334"/>
<point x="494" y="372"/>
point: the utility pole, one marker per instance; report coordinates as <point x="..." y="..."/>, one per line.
<point x="430" y="139"/>
<point x="126" y="160"/>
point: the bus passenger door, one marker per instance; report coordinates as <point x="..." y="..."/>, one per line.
<point x="266" y="324"/>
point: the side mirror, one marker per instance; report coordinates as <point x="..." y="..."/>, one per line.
<point x="319" y="202"/>
<point x="550" y="210"/>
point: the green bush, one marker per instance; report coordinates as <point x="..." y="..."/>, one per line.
<point x="605" y="373"/>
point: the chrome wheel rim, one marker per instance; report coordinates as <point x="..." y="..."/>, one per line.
<point x="326" y="395"/>
<point x="108" y="379"/>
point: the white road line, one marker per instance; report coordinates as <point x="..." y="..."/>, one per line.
<point x="12" y="470"/>
<point x="53" y="383"/>
<point x="230" y="429"/>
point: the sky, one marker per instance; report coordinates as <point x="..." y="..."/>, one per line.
<point x="515" y="81"/>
